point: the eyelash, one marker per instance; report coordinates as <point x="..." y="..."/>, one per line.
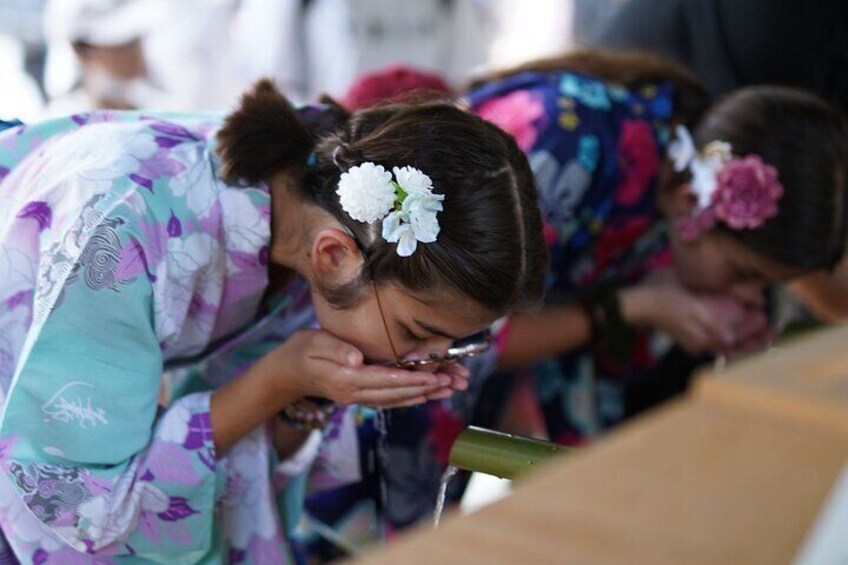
<point x="749" y="275"/>
<point x="412" y="336"/>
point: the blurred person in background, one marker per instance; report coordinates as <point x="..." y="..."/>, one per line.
<point x="658" y="233"/>
<point x="730" y="44"/>
<point x="20" y="96"/>
<point x="106" y="39"/>
<point x="395" y="83"/>
<point x="177" y="54"/>
<point x="204" y="53"/>
<point x="22" y="20"/>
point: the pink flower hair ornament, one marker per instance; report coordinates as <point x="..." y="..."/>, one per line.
<point x="741" y="192"/>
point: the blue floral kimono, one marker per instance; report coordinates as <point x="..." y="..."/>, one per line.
<point x="123" y="257"/>
<point x="596" y="150"/>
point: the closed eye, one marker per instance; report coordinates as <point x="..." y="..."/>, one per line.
<point x="410" y="335"/>
<point x="750" y="276"/>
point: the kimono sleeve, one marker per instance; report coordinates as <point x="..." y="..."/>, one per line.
<point x="85" y="444"/>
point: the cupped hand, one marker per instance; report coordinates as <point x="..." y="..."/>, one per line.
<point x="316" y="363"/>
<point x="707" y="323"/>
<point x="458" y="375"/>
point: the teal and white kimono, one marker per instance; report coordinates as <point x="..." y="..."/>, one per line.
<point x="123" y="254"/>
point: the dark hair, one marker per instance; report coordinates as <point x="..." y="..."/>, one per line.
<point x="630" y="69"/>
<point x="490" y="247"/>
<point x="806" y="140"/>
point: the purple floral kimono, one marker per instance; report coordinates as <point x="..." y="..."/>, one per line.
<point x="124" y="257"/>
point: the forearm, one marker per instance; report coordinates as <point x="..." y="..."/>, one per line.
<point x="825" y="294"/>
<point x="558" y="329"/>
<point x="552" y="331"/>
<point x="245" y="403"/>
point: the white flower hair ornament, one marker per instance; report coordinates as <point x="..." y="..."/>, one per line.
<point x="406" y="204"/>
<point x="742" y="192"/>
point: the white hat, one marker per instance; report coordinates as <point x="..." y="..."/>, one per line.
<point x="104" y="23"/>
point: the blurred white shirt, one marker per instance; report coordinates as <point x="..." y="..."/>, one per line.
<point x="19" y="95"/>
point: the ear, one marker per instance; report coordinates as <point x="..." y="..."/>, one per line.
<point x="336" y="259"/>
<point x="679" y="202"/>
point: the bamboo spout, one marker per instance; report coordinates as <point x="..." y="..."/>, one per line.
<point x="502" y="455"/>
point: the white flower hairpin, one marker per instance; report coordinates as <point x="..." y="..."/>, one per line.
<point x="741" y="192"/>
<point x="704" y="167"/>
<point x="407" y="204"/>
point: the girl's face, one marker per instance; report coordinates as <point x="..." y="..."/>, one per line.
<point x="716" y="262"/>
<point x="392" y="321"/>
<point x="389" y="323"/>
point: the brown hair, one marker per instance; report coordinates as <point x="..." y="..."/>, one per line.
<point x="630" y="69"/>
<point x="490" y="247"/>
<point x="806" y="140"/>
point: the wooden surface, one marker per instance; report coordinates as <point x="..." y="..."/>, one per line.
<point x="736" y="473"/>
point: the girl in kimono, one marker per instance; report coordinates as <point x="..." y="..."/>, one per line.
<point x="666" y="218"/>
<point x="280" y="264"/>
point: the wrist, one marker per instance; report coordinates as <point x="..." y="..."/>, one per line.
<point x="308" y="414"/>
<point x="242" y="404"/>
<point x="636" y="303"/>
<point x="275" y="376"/>
<point x="611" y="333"/>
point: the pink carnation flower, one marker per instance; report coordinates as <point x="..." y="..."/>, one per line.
<point x="747" y="193"/>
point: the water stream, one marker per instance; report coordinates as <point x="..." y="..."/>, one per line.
<point x="443" y="489"/>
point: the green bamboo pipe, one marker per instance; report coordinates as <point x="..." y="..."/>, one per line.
<point x="502" y="455"/>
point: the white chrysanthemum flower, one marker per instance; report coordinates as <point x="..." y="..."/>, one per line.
<point x="412" y="180"/>
<point x="366" y="192"/>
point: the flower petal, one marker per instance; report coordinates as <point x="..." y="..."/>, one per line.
<point x="682" y="149"/>
<point x="703" y="182"/>
<point x="425" y="227"/>
<point x="408" y="243"/>
<point x="412" y="180"/>
<point x="392" y="227"/>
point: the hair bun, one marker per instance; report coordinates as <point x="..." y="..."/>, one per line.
<point x="263" y="136"/>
